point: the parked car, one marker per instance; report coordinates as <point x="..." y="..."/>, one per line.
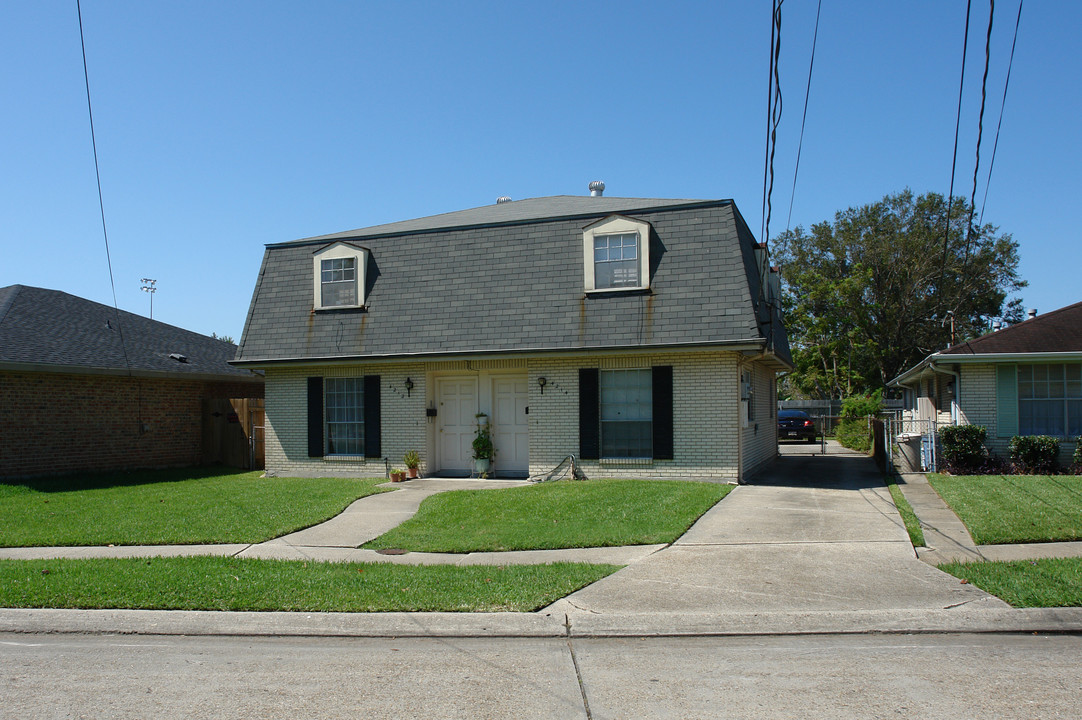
<point x="796" y="425"/>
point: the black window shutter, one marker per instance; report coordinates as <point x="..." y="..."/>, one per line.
<point x="589" y="414"/>
<point x="372" y="447"/>
<point x="315" y="417"/>
<point x="662" y="401"/>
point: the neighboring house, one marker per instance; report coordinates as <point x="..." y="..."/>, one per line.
<point x="85" y="388"/>
<point x="641" y="335"/>
<point x="1023" y="380"/>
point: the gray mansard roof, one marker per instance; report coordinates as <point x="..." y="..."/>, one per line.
<point x="508" y="278"/>
<point x="53" y="331"/>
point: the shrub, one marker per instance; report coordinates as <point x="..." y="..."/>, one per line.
<point x="853" y="431"/>
<point x="963" y="448"/>
<point x="1034" y="453"/>
<point x="1077" y="466"/>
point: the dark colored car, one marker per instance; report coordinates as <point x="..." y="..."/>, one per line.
<point x="796" y="425"/>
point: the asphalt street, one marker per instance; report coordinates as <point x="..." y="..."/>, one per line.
<point x="811" y="676"/>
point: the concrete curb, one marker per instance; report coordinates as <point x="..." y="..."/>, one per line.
<point x="539" y="625"/>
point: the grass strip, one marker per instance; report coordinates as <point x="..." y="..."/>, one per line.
<point x="179" y="506"/>
<point x="595" y="513"/>
<point x="1014" y="508"/>
<point x="905" y="510"/>
<point x="1048" y="582"/>
<point x="238" y="584"/>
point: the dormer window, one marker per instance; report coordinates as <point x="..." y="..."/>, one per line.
<point x="338" y="276"/>
<point x="616" y="255"/>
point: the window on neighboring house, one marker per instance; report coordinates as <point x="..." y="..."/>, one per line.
<point x="338" y="276"/>
<point x="626" y="413"/>
<point x="344" y="415"/>
<point x="1050" y="400"/>
<point x="616" y="254"/>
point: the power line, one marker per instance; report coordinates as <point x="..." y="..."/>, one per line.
<point x="773" y="118"/>
<point x="980" y="130"/>
<point x="97" y="175"/>
<point x="954" y="159"/>
<point x="807" y="92"/>
<point x="1003" y="103"/>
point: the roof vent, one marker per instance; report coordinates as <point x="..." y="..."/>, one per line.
<point x="997" y="326"/>
<point x="178" y="357"/>
<point x="597" y="188"/>
<point x="502" y="199"/>
<point x="1031" y="314"/>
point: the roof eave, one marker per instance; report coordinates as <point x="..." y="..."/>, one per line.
<point x="751" y="344"/>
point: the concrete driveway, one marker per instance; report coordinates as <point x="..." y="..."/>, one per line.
<point x="814" y="533"/>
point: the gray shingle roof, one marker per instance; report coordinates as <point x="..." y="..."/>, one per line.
<point x="509" y="277"/>
<point x="54" y="330"/>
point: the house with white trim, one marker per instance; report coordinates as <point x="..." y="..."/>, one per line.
<point x="642" y="336"/>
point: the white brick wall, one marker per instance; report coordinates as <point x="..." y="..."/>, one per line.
<point x="708" y="440"/>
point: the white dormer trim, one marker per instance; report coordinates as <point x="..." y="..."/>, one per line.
<point x="616" y="225"/>
<point x="339" y="251"/>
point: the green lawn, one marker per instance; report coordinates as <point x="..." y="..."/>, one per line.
<point x="905" y="510"/>
<point x="183" y="506"/>
<point x="214" y="583"/>
<point x="595" y="513"/>
<point x="1015" y="508"/>
<point x="1026" y="583"/>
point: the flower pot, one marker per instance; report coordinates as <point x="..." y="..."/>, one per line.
<point x="398" y="476"/>
<point x="481" y="465"/>
<point x="412" y="472"/>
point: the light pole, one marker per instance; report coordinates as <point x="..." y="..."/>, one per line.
<point x="148" y="287"/>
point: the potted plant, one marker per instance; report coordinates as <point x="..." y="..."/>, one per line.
<point x="483" y="449"/>
<point x="412" y="461"/>
<point x="398" y="475"/>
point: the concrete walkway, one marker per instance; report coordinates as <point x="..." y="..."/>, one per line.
<point x="339" y="539"/>
<point x="948" y="540"/>
<point x="815" y="534"/>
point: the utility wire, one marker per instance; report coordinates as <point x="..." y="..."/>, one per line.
<point x="980" y="130"/>
<point x="954" y="159"/>
<point x="807" y="92"/>
<point x="1003" y="103"/>
<point x="97" y="175"/>
<point x="769" y="112"/>
<point x="773" y="116"/>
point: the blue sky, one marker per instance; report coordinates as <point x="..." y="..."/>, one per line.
<point x="223" y="126"/>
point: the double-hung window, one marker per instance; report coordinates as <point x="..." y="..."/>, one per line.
<point x="338" y="276"/>
<point x="344" y="415"/>
<point x="626" y="413"/>
<point x="338" y="282"/>
<point x="1050" y="400"/>
<point x="616" y="261"/>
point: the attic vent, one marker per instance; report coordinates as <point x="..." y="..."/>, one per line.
<point x="597" y="188"/>
<point x="178" y="357"/>
<point x="1031" y="314"/>
<point x="502" y="199"/>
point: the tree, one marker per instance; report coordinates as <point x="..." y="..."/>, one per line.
<point x="223" y="338"/>
<point x="874" y="292"/>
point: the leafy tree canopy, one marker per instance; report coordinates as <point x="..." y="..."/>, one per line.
<point x="872" y="293"/>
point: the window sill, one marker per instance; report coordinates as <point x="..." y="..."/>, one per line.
<point x="604" y="292"/>
<point x="346" y="458"/>
<point x="626" y="462"/>
<point x="341" y="308"/>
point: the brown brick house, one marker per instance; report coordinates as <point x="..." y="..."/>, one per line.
<point x="85" y="387"/>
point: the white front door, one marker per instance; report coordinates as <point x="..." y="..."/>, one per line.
<point x="510" y="425"/>
<point x="457" y="398"/>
